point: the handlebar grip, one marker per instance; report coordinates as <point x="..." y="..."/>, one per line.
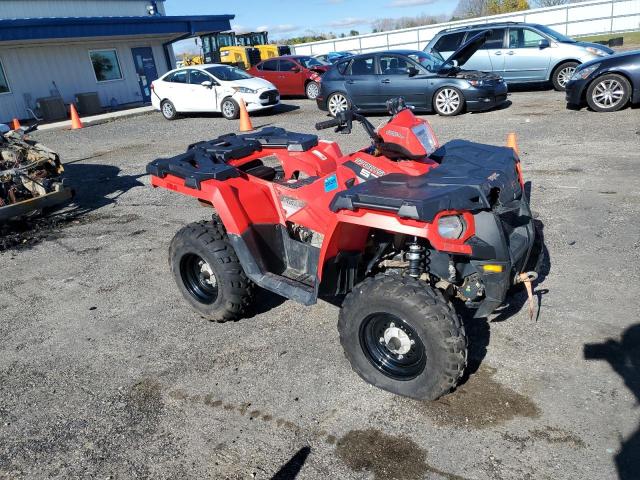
<point x="328" y="124"/>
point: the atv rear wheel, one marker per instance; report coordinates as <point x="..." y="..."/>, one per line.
<point x="208" y="272"/>
<point x="401" y="335"/>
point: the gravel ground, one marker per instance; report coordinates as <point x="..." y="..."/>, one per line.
<point x="106" y="373"/>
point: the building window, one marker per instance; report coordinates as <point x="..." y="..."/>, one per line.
<point x="105" y="65"/>
<point x="4" y="84"/>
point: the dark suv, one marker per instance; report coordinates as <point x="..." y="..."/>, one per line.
<point x="521" y="52"/>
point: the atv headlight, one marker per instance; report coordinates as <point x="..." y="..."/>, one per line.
<point x="451" y="226"/>
<point x="597" y="51"/>
<point x="585" y="72"/>
<point x="244" y="90"/>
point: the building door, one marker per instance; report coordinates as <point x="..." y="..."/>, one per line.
<point x="146" y="70"/>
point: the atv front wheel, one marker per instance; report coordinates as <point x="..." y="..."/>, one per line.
<point x="208" y="272"/>
<point x="401" y="335"/>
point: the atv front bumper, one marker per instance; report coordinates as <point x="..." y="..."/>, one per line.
<point x="504" y="237"/>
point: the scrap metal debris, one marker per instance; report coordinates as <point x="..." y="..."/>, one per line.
<point x="30" y="176"/>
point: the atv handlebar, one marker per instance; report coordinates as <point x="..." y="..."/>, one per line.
<point x="344" y="120"/>
<point x="334" y="122"/>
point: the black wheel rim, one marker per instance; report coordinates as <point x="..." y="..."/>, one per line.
<point x="392" y="346"/>
<point x="198" y="278"/>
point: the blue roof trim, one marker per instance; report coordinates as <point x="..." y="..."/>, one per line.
<point x="76" y="27"/>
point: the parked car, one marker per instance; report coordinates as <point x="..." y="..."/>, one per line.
<point x="427" y="82"/>
<point x="521" y="52"/>
<point x="333" y="57"/>
<point x="293" y="74"/>
<point x="606" y="84"/>
<point x="211" y="88"/>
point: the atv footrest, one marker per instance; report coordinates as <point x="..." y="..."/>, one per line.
<point x="287" y="287"/>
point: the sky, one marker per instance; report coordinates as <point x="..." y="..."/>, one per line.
<point x="290" y="18"/>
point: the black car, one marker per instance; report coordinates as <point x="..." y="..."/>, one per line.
<point x="426" y="81"/>
<point x="606" y="84"/>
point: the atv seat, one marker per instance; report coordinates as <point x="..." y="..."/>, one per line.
<point x="257" y="169"/>
<point x="273" y="137"/>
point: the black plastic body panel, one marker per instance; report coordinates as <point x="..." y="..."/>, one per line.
<point x="468" y="175"/>
<point x="194" y="166"/>
<point x="208" y="160"/>
<point x="269" y="255"/>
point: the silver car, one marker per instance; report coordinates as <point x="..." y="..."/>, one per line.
<point x="521" y="52"/>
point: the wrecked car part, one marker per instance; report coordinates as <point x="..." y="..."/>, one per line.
<point x="30" y="176"/>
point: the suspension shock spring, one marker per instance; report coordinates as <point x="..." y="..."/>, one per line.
<point x="416" y="257"/>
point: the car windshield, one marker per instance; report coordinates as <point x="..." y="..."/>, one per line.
<point x="310" y="62"/>
<point x="432" y="62"/>
<point x="555" y="35"/>
<point x="228" y="73"/>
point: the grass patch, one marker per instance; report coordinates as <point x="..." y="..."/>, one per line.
<point x="630" y="38"/>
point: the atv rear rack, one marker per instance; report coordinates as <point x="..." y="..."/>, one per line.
<point x="209" y="160"/>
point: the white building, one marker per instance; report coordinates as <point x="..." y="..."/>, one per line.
<point x="61" y="48"/>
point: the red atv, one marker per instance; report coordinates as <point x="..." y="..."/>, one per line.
<point x="391" y="233"/>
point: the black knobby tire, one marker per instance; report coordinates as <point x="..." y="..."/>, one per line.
<point x="561" y="75"/>
<point x="230" y="109"/>
<point x="168" y="110"/>
<point x="622" y="91"/>
<point x="223" y="297"/>
<point x="424" y="316"/>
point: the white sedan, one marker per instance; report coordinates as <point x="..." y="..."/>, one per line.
<point x="211" y="88"/>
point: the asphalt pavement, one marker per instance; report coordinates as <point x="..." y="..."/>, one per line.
<point x="106" y="373"/>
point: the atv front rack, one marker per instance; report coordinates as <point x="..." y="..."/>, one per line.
<point x="471" y="177"/>
<point x="209" y="160"/>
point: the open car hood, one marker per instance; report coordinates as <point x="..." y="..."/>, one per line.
<point x="466" y="50"/>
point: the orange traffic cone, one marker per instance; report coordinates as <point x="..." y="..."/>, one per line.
<point x="16" y="124"/>
<point x="245" y="121"/>
<point x="512" y="141"/>
<point x="76" y="123"/>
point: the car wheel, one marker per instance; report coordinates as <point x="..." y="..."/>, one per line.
<point x="168" y="110"/>
<point x="336" y="103"/>
<point x="230" y="109"/>
<point x="448" y="101"/>
<point x="562" y="74"/>
<point x="608" y="93"/>
<point x="312" y="90"/>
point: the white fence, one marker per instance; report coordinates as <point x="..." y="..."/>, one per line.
<point x="575" y="19"/>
